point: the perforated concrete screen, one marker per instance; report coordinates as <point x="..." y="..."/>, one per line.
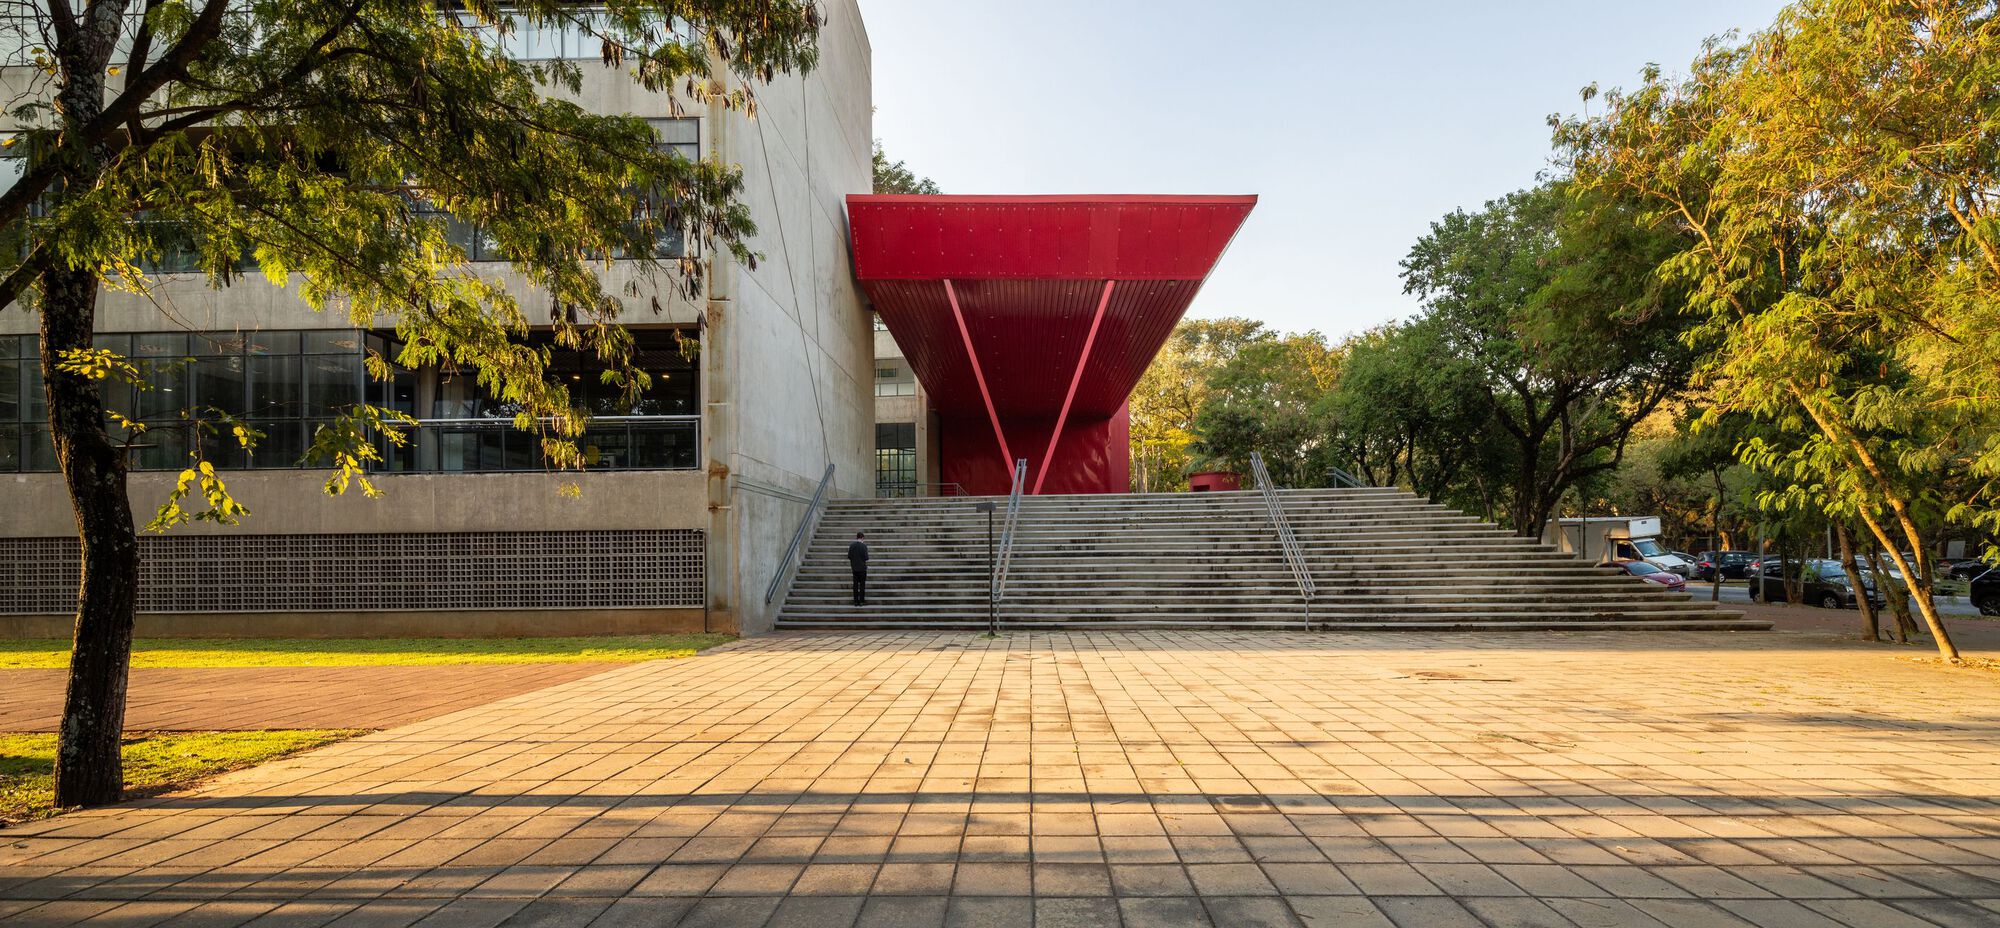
<point x="375" y="572"/>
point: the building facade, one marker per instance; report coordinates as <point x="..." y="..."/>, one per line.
<point x="688" y="498"/>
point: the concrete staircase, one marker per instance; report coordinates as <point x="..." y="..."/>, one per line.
<point x="1381" y="558"/>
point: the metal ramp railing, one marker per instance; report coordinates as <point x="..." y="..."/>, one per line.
<point x="1006" y="553"/>
<point x="1295" y="557"/>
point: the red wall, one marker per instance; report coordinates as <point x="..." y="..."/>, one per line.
<point x="1094" y="457"/>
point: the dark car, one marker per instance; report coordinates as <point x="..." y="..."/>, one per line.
<point x="1653" y="574"/>
<point x="1986" y="592"/>
<point x="1965" y="568"/>
<point x="1824" y="584"/>
<point x="1731" y="565"/>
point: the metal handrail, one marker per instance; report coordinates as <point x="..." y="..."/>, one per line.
<point x="508" y="421"/>
<point x="1341" y="476"/>
<point x="1295" y="557"/>
<point x="806" y="523"/>
<point x="944" y="488"/>
<point x="1007" y="530"/>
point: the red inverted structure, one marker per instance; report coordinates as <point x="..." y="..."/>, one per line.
<point x="1030" y="318"/>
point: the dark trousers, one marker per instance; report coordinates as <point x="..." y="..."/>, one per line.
<point x="861" y="586"/>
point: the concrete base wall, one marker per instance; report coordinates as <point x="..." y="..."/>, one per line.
<point x="522" y="623"/>
<point x="293" y="502"/>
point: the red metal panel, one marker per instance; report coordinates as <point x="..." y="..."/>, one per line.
<point x="1026" y="277"/>
<point x="1041" y="237"/>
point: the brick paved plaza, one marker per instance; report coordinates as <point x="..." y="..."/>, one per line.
<point x="1611" y="779"/>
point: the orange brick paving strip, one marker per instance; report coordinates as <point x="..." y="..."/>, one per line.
<point x="248" y="698"/>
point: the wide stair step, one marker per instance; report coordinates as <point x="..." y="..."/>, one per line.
<point x="1380" y="558"/>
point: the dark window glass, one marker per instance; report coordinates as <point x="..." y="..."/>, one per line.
<point x="271" y="342"/>
<point x="221" y="386"/>
<point x="160" y="345"/>
<point x="41" y="450"/>
<point x="340" y="341"/>
<point x="166" y="393"/>
<point x="275" y="386"/>
<point x="34" y="402"/>
<point x="284" y="442"/>
<point x="608" y="449"/>
<point x="332" y="384"/>
<point x="10" y="447"/>
<point x="12" y="407"/>
<point x="895" y="459"/>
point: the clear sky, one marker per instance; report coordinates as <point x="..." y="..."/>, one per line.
<point x="1356" y="123"/>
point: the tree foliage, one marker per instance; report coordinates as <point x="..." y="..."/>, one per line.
<point x="896" y="177"/>
<point x="1170" y="394"/>
<point x="325" y="146"/>
<point x="1834" y="181"/>
<point x="1546" y="297"/>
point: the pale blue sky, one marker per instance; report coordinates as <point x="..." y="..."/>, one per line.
<point x="1357" y="123"/>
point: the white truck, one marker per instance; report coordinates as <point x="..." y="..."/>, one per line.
<point x="1602" y="539"/>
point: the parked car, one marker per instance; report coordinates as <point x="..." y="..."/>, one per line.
<point x="1823" y="584"/>
<point x="1729" y="565"/>
<point x="1653" y="574"/>
<point x="1985" y="594"/>
<point x="1964" y="568"/>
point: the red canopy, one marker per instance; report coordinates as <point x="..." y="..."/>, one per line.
<point x="1029" y="319"/>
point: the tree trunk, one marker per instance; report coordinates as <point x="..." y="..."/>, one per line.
<point x="1871" y="625"/>
<point x="88" y="769"/>
<point x="1715" y="522"/>
<point x="1915" y="575"/>
<point x="1898" y="606"/>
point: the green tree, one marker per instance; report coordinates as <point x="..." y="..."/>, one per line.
<point x="1832" y="180"/>
<point x="1265" y="398"/>
<point x="1170" y="393"/>
<point x="1548" y="295"/>
<point x="895" y="177"/>
<point x="327" y="140"/>
<point x="1404" y="408"/>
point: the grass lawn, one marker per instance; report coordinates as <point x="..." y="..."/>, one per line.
<point x="153" y="763"/>
<point x="359" y="652"/>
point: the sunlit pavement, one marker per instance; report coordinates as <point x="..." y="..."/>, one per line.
<point x="1592" y="779"/>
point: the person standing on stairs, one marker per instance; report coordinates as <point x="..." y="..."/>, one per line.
<point x="857" y="557"/>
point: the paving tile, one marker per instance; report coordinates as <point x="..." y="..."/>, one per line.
<point x="1139" y="778"/>
<point x="1075" y="913"/>
<point x="990" y="912"/>
<point x="1168" y="912"/>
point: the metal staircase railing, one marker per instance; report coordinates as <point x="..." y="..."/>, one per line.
<point x="806" y="524"/>
<point x="1006" y="553"/>
<point x="1295" y="557"/>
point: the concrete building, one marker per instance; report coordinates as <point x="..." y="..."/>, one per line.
<point x="688" y="501"/>
<point x="906" y="452"/>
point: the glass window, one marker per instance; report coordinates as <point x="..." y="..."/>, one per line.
<point x="681" y="136"/>
<point x="895" y="459"/>
<point x="332" y="384"/>
<point x="13" y="408"/>
<point x="276" y="386"/>
<point x="332" y="341"/>
<point x="894" y="381"/>
<point x="221" y="385"/>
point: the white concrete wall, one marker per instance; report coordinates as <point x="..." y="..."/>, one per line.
<point x="794" y="333"/>
<point x="787" y="367"/>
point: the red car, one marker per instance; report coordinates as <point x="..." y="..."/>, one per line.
<point x="1651" y="574"/>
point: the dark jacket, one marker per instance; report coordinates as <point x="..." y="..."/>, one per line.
<point x="857" y="554"/>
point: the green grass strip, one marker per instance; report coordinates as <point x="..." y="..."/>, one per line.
<point x="154" y="763"/>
